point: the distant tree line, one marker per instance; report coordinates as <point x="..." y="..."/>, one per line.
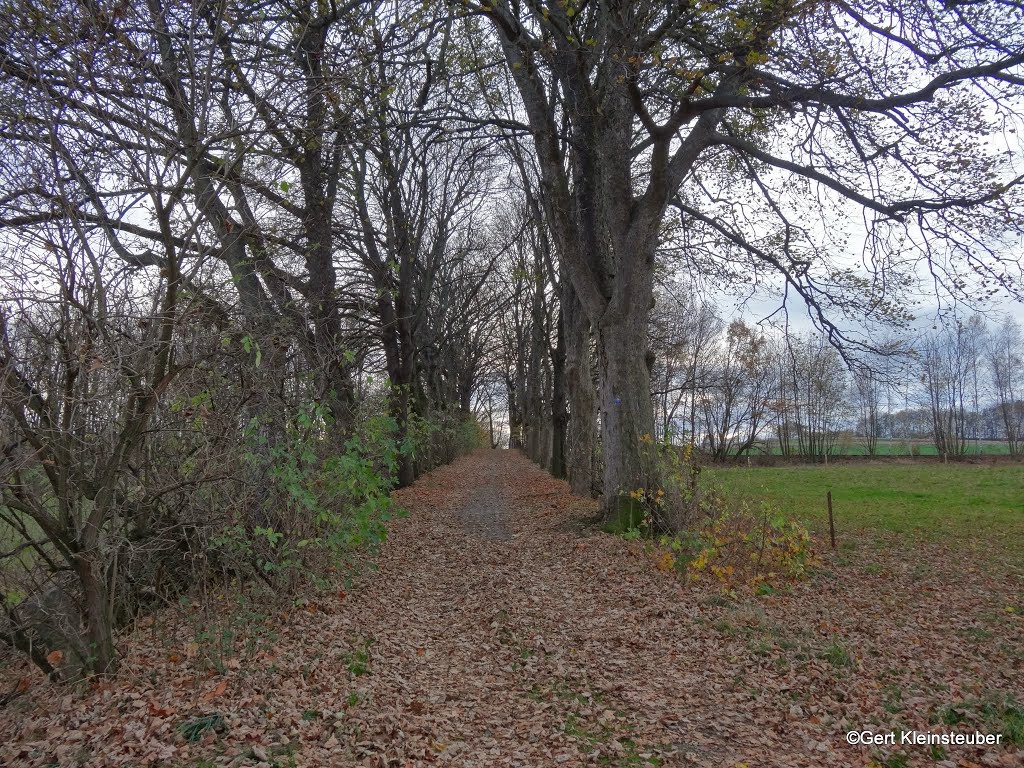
<point x="732" y="388"/>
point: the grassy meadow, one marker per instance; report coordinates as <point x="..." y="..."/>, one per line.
<point x="970" y="504"/>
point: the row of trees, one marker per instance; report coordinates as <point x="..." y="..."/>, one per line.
<point x="245" y="291"/>
<point x="292" y="245"/>
<point x="968" y="372"/>
<point x="730" y="388"/>
<point x="731" y="116"/>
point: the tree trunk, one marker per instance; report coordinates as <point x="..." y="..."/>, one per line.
<point x="515" y="412"/>
<point x="400" y="411"/>
<point x="535" y="372"/>
<point x="627" y="414"/>
<point x="401" y="367"/>
<point x="546" y="414"/>
<point x="98" y="610"/>
<point x="579" y="380"/>
<point x="559" y="406"/>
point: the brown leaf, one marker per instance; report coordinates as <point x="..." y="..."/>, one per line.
<point x="159" y="711"/>
<point x="55" y="657"/>
<point x="222" y="686"/>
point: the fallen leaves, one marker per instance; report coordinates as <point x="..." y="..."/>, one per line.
<point x="549" y="645"/>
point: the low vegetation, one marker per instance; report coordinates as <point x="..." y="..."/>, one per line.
<point x="977" y="506"/>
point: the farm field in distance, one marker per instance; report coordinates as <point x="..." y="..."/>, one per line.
<point x="973" y="505"/>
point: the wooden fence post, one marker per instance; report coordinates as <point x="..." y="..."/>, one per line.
<point x="831" y="522"/>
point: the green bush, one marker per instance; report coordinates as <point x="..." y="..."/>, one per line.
<point x="318" y="507"/>
<point x="442" y="436"/>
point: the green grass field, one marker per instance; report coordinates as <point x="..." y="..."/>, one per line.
<point x="975" y="505"/>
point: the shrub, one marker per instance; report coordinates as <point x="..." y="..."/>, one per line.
<point x="751" y="545"/>
<point x="314" y="507"/>
<point x="441" y="436"/>
<point x="673" y="497"/>
<point x="702" y="532"/>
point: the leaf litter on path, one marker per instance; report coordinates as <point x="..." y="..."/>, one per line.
<point x="497" y="631"/>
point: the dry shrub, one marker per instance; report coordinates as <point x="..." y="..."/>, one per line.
<point x="751" y="545"/>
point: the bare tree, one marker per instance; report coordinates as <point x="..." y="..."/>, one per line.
<point x="683" y="337"/>
<point x="81" y="376"/>
<point x="181" y="325"/>
<point x="1006" y="366"/>
<point x="253" y="130"/>
<point x="812" y="387"/>
<point x="699" y="106"/>
<point x="867" y="393"/>
<point x="734" y="408"/>
<point x="946" y="360"/>
<point x="411" y="189"/>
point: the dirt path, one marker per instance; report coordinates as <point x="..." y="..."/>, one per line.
<point x="497" y="632"/>
<point x="486" y="511"/>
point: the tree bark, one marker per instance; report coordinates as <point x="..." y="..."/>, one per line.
<point x="627" y="414"/>
<point x="399" y="356"/>
<point x="98" y="610"/>
<point x="579" y="379"/>
<point x="559" y="404"/>
<point x="535" y="447"/>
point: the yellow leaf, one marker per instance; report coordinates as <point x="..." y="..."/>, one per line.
<point x="665" y="562"/>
